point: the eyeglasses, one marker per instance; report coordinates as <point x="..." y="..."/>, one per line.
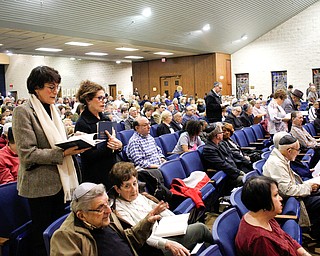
<point x="101" y="209"/>
<point x="53" y="87"/>
<point x="100" y="98"/>
<point x="298" y="150"/>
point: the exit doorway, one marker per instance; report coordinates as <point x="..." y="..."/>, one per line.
<point x="168" y="84"/>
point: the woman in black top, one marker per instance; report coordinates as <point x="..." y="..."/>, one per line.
<point x="98" y="161"/>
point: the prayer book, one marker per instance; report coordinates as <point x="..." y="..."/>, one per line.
<point x="172" y="225"/>
<point x="105" y="125"/>
<point x="82" y="141"/>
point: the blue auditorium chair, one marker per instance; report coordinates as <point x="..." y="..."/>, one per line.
<point x="153" y="130"/>
<point x="312" y="130"/>
<point x="258" y="131"/>
<point x="191" y="162"/>
<point x="15" y="218"/>
<point x="125" y="136"/>
<point x="224" y="231"/>
<point x="265" y="155"/>
<point x="212" y="250"/>
<point x="48" y="233"/>
<point x="168" y="142"/>
<point x="249" y="175"/>
<point x="258" y="165"/>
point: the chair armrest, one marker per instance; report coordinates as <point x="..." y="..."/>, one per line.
<point x="260" y="140"/>
<point x="256" y="143"/>
<point x="248" y="148"/>
<point x="286" y="217"/>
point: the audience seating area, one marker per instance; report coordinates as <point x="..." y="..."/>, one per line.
<point x="15" y="213"/>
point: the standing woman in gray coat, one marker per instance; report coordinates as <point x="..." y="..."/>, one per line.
<point x="47" y="174"/>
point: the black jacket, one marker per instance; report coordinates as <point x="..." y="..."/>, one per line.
<point x="235" y="121"/>
<point x="163" y="129"/>
<point x="246" y="120"/>
<point x="220" y="159"/>
<point x="97" y="162"/>
<point x="213" y="107"/>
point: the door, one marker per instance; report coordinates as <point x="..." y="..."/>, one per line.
<point x="168" y="85"/>
<point x="113" y="90"/>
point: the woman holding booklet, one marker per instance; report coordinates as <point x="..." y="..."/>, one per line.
<point x="47" y="174"/>
<point x="132" y="207"/>
<point x="96" y="162"/>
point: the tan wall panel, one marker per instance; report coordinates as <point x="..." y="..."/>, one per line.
<point x="222" y="71"/>
<point x="197" y="73"/>
<point x="204" y="74"/>
<point x="4" y="59"/>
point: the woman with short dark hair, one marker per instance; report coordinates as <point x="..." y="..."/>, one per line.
<point x="259" y="233"/>
<point x="47" y="175"/>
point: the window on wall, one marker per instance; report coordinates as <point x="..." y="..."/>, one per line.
<point x="279" y="80"/>
<point x="316" y="77"/>
<point x="242" y="84"/>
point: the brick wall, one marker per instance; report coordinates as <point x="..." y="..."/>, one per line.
<point x="293" y="46"/>
<point x="72" y="73"/>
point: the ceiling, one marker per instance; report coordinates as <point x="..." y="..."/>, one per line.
<point x="174" y="26"/>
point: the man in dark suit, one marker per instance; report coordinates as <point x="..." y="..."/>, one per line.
<point x="214" y="104"/>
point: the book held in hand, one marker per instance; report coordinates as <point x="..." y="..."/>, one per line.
<point x="82" y="141"/>
<point x="172" y="225"/>
<point x="103" y="126"/>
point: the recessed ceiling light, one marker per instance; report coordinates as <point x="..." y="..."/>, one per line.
<point x="49" y="49"/>
<point x="78" y="44"/>
<point x="118" y="62"/>
<point x="206" y="27"/>
<point x="37" y="56"/>
<point x="146" y="12"/>
<point x="9" y="53"/>
<point x="72" y="58"/>
<point x="133" y="57"/>
<point x="164" y="53"/>
<point x="127" y="49"/>
<point x="1" y="44"/>
<point x="96" y="53"/>
<point x="244" y="37"/>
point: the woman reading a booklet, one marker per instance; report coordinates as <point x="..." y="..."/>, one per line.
<point x="259" y="233"/>
<point x="47" y="174"/>
<point x="96" y="162"/>
<point x="132" y="207"/>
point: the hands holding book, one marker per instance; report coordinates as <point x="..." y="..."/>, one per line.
<point x="113" y="143"/>
<point x="74" y="151"/>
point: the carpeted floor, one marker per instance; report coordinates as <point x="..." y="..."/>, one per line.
<point x="308" y="243"/>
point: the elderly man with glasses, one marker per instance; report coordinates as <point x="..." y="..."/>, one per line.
<point x="92" y="229"/>
<point x="290" y="184"/>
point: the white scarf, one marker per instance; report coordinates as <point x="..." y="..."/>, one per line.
<point x="55" y="132"/>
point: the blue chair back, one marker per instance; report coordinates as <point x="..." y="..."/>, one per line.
<point x="212" y="250"/>
<point x="120" y="126"/>
<point x="248" y="132"/>
<point x="311" y="129"/>
<point x="236" y="201"/>
<point x="241" y="138"/>
<point x="191" y="162"/>
<point x="48" y="233"/>
<point x="153" y="130"/>
<point x="168" y="142"/>
<point x="172" y="169"/>
<point x="224" y="231"/>
<point x="14" y="210"/>
<point x="249" y="175"/>
<point x="258" y="165"/>
<point x="257" y="131"/>
<point x="185" y="207"/>
<point x="200" y="149"/>
<point x="266" y="155"/>
<point x="125" y="136"/>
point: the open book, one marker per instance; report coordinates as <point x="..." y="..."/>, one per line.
<point x="82" y="141"/>
<point x="172" y="225"/>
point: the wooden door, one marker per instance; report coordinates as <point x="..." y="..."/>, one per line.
<point x="113" y="90"/>
<point x="169" y="84"/>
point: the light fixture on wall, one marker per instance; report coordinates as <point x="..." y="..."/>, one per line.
<point x="221" y="77"/>
<point x="244" y="37"/>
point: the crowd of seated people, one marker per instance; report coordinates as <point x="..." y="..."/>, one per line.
<point x="171" y="116"/>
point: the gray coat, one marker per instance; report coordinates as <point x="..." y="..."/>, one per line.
<point x="38" y="174"/>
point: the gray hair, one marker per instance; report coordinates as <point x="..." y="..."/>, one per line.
<point x="83" y="203"/>
<point x="165" y="114"/>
